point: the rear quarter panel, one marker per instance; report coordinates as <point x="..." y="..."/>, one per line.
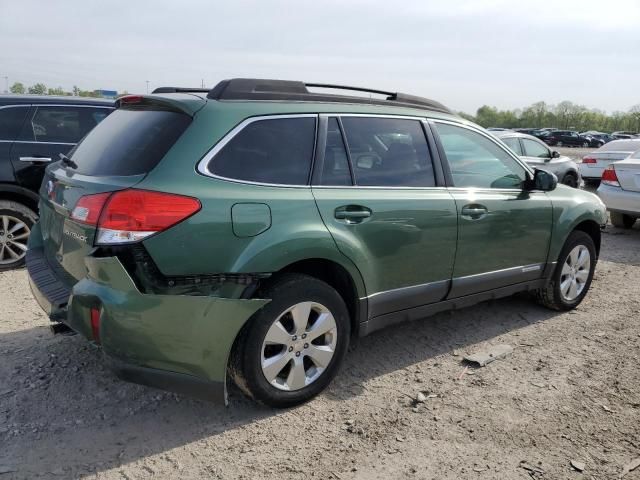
<point x="206" y="242"/>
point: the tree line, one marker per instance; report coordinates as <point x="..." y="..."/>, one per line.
<point x="41" y="89"/>
<point x="565" y="115"/>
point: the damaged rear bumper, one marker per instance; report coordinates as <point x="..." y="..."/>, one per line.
<point x="174" y="342"/>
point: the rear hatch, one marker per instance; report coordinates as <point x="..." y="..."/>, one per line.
<point x="628" y="173"/>
<point x="115" y="156"/>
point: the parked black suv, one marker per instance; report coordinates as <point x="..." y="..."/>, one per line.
<point x="570" y="138"/>
<point x="34" y="130"/>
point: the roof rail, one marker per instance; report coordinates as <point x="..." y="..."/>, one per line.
<point x="179" y="90"/>
<point x="260" y="89"/>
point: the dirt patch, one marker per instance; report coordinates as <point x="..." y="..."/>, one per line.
<point x="568" y="391"/>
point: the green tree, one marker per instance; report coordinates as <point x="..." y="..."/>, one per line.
<point x="466" y="116"/>
<point x="17" y="88"/>
<point x="38" y="89"/>
<point x="634" y="112"/>
<point x="56" y="91"/>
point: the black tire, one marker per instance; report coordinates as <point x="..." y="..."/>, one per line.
<point x="551" y="296"/>
<point x="571" y="180"/>
<point x="14" y="210"/>
<point x="246" y="358"/>
<point x="622" y="220"/>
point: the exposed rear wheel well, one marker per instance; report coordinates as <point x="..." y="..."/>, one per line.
<point x="592" y="229"/>
<point x="334" y="275"/>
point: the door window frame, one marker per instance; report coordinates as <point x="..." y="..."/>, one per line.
<point x="539" y="142"/>
<point x="449" y="177"/>
<point x="202" y="167"/>
<point x="34" y="110"/>
<point x="17" y="105"/>
<point x="436" y="162"/>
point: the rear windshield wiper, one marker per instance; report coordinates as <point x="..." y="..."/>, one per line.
<point x="67" y="161"/>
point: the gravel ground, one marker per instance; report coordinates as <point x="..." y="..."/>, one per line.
<point x="569" y="391"/>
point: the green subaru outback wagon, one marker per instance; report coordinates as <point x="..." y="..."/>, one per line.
<point x="254" y="230"/>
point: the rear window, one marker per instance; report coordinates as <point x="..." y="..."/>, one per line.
<point x="620" y="146"/>
<point x="129" y="142"/>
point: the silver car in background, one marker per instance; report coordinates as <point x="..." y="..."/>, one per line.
<point x="620" y="190"/>
<point x="594" y="164"/>
<point x="538" y="155"/>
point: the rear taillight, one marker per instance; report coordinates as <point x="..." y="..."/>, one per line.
<point x="89" y="207"/>
<point x="589" y="160"/>
<point x="132" y="215"/>
<point x="609" y="177"/>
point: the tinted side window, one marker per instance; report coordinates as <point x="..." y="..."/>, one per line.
<point x="534" y="149"/>
<point x="11" y="120"/>
<point x="388" y="152"/>
<point x="476" y="161"/>
<point x="61" y="124"/>
<point x="514" y="144"/>
<point x="276" y="151"/>
<point x="335" y="168"/>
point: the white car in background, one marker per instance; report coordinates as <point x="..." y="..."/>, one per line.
<point x="593" y="164"/>
<point x="620" y="190"/>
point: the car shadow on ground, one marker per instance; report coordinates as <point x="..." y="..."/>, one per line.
<point x="60" y="387"/>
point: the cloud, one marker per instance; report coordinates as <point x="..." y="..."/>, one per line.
<point x="463" y="53"/>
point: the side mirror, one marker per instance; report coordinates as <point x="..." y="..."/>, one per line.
<point x="555" y="154"/>
<point x="542" y="180"/>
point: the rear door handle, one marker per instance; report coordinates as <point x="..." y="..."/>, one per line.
<point x="36" y="159"/>
<point x="474" y="212"/>
<point x="352" y="213"/>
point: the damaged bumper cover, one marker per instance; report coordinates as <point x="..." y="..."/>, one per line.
<point x="174" y="342"/>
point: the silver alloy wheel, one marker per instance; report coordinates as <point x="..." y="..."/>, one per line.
<point x="299" y="346"/>
<point x="575" y="273"/>
<point x="14" y="234"/>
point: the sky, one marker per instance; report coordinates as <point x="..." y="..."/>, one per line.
<point x="463" y="53"/>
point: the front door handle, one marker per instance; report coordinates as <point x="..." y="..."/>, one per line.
<point x="474" y="211"/>
<point x="352" y="213"/>
<point x="36" y="159"/>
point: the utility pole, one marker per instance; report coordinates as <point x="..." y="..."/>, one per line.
<point x="147" y="86"/>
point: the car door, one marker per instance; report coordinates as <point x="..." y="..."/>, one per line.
<point x="11" y="119"/>
<point x="376" y="186"/>
<point x="574" y="139"/>
<point x="48" y="131"/>
<point x="503" y="230"/>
